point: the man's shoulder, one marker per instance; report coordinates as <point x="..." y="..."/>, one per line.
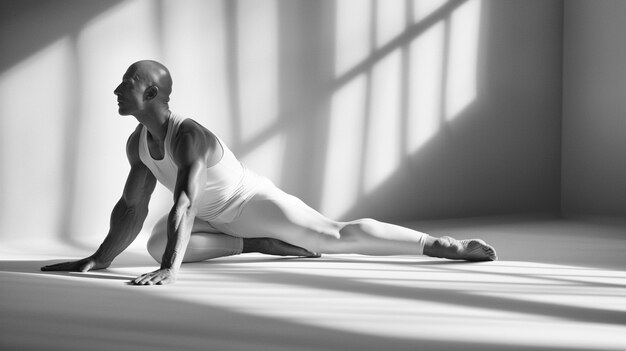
<point x="133" y="139"/>
<point x="192" y="139"/>
<point x="192" y="130"/>
<point x="132" y="144"/>
<point x="191" y="126"/>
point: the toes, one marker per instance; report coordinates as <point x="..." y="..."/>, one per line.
<point x="488" y="253"/>
<point x="478" y="250"/>
<point x="489" y="250"/>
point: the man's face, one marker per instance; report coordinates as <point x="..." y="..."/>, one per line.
<point x="130" y="93"/>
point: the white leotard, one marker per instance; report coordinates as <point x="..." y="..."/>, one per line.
<point x="229" y="183"/>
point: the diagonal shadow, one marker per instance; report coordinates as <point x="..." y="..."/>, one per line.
<point x="451" y="266"/>
<point x="127" y="319"/>
<point x="498" y="303"/>
<point x="437" y="180"/>
<point x="406" y="37"/>
<point x="27" y="27"/>
<point x="38" y="23"/>
<point x="231" y="51"/>
<point x="553" y="279"/>
<point x="319" y="92"/>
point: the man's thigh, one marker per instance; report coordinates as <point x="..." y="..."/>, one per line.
<point x="199" y="226"/>
<point x="205" y="242"/>
<point x="285" y="217"/>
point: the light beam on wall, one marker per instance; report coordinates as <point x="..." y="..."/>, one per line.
<point x="437" y="49"/>
<point x="258" y="65"/>
<point x="425" y="87"/>
<point x="389" y="20"/>
<point x="33" y="108"/>
<point x="194" y="51"/>
<point x="344" y="148"/>
<point x="267" y="158"/>
<point x="463" y="58"/>
<point x="353" y="23"/>
<point x="105" y="48"/>
<point x="382" y="150"/>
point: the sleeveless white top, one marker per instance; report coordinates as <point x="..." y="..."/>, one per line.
<point x="229" y="183"/>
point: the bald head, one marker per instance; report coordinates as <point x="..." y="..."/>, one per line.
<point x="153" y="73"/>
<point x="145" y="88"/>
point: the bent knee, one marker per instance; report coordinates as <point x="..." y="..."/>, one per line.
<point x="158" y="239"/>
<point x="156" y="247"/>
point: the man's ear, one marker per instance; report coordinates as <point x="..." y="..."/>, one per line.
<point x="151" y="92"/>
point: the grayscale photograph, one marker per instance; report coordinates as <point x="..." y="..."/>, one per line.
<point x="309" y="175"/>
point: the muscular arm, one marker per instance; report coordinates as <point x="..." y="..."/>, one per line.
<point x="131" y="210"/>
<point x="191" y="148"/>
<point x="190" y="181"/>
<point x="127" y="216"/>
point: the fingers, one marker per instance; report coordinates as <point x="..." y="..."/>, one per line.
<point x="64" y="266"/>
<point x="158" y="277"/>
<point x="150" y="280"/>
<point x="83" y="265"/>
<point x="145" y="279"/>
<point x="305" y="253"/>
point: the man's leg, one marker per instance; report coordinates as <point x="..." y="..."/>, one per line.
<point x="371" y="232"/>
<point x="273" y="213"/>
<point x="205" y="242"/>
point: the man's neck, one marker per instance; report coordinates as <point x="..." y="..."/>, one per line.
<point x="156" y="122"/>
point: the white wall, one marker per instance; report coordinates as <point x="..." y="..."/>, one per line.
<point x="388" y="109"/>
<point x="594" y="118"/>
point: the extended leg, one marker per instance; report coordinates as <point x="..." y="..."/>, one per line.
<point x="273" y="213"/>
<point x="369" y="232"/>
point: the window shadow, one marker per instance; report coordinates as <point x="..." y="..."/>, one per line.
<point x="31" y="25"/>
<point x="129" y="318"/>
<point x="27" y="27"/>
<point x="446" y="296"/>
<point x="476" y="163"/>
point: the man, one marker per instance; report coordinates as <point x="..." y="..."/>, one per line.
<point x="219" y="202"/>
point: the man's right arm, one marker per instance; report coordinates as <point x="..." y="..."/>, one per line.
<point x="127" y="216"/>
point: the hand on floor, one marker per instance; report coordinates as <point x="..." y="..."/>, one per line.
<point x="158" y="277"/>
<point x="84" y="265"/>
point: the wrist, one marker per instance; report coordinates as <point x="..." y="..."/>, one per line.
<point x="100" y="260"/>
<point x="168" y="266"/>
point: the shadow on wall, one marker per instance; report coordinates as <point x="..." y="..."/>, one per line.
<point x="412" y="109"/>
<point x="390" y="109"/>
<point x="38" y="190"/>
<point x="500" y="154"/>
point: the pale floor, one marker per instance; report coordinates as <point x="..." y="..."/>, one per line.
<point x="559" y="285"/>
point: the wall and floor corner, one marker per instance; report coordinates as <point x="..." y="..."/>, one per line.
<point x="398" y="110"/>
<point x="594" y="109"/>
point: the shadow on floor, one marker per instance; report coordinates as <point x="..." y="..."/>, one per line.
<point x="40" y="310"/>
